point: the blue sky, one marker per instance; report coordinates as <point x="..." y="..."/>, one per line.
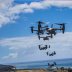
<point x="18" y="44"/>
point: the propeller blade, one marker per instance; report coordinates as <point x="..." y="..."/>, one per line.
<point x="63" y="28"/>
<point x="39" y="46"/>
<point x="51" y="36"/>
<point x="52" y="26"/>
<point x="46" y="26"/>
<point x="47" y="53"/>
<point x="32" y="29"/>
<point x="38" y="37"/>
<point x="40" y="22"/>
<point x="54" y="63"/>
<point x="46" y="46"/>
<point x="49" y="46"/>
<point x="60" y="24"/>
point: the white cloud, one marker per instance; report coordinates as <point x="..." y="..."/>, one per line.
<point x="5" y="16"/>
<point x="9" y="12"/>
<point x="3" y="20"/>
<point x="20" y="42"/>
<point x="27" y="47"/>
<point x="57" y="3"/>
<point x="36" y="5"/>
<point x="10" y="56"/>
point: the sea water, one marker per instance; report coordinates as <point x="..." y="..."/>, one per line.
<point x="43" y="64"/>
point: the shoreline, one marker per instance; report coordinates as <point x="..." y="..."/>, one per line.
<point x="45" y="70"/>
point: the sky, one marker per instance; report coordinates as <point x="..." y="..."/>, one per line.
<point x="18" y="44"/>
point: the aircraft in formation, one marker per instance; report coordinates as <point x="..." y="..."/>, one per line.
<point x="39" y="29"/>
<point x="43" y="48"/>
<point x="43" y="29"/>
<point x="50" y="31"/>
<point x="52" y="65"/>
<point x="51" y="54"/>
<point x="44" y="38"/>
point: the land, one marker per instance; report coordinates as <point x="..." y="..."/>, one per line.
<point x="43" y="70"/>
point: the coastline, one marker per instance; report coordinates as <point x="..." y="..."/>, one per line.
<point x="43" y="70"/>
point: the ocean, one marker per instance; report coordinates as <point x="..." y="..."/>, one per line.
<point x="43" y="64"/>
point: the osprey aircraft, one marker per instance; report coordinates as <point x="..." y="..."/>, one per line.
<point x="52" y="31"/>
<point x="43" y="48"/>
<point x="40" y="29"/>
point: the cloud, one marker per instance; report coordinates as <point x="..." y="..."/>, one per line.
<point x="58" y="3"/>
<point x="19" y="42"/>
<point x="36" y="5"/>
<point x="9" y="11"/>
<point x="27" y="47"/>
<point x="5" y="18"/>
<point x="10" y="56"/>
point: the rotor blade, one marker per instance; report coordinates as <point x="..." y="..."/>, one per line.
<point x="63" y="28"/>
<point x="32" y="29"/>
<point x="52" y="26"/>
<point x="38" y="37"/>
<point x="60" y="23"/>
<point x="46" y="46"/>
<point x="39" y="46"/>
<point x="55" y="63"/>
<point x="40" y="22"/>
<point x="49" y="46"/>
<point x="51" y="36"/>
<point x="46" y="26"/>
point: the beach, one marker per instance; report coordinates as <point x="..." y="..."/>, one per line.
<point x="42" y="70"/>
